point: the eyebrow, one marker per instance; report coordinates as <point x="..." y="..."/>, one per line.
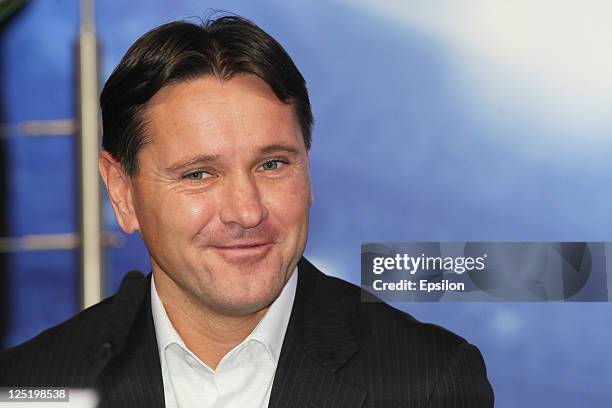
<point x="276" y="148"/>
<point x="199" y="159"/>
<point x="203" y="159"/>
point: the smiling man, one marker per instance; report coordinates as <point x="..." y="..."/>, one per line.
<point x="205" y="154"/>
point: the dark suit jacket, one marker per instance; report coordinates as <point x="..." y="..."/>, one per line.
<point x="337" y="352"/>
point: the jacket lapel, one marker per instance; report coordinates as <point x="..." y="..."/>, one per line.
<point x="320" y="339"/>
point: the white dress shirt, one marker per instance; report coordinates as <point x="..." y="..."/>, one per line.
<point x="244" y="376"/>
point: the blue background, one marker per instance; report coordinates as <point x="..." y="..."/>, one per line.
<point x="405" y="148"/>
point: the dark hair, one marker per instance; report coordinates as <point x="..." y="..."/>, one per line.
<point x="182" y="51"/>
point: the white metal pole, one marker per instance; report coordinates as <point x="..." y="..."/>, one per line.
<point x="89" y="137"/>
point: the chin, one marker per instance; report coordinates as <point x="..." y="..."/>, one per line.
<point x="242" y="292"/>
<point x="245" y="304"/>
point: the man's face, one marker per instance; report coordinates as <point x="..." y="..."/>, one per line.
<point x="223" y="191"/>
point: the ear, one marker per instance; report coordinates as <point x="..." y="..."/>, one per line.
<point x="119" y="191"/>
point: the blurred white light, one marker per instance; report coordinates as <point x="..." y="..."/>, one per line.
<point x="545" y="60"/>
<point x="506" y="324"/>
<point x="328" y="267"/>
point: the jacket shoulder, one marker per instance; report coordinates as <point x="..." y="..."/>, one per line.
<point x="53" y="350"/>
<point x="420" y="360"/>
<point x="376" y="319"/>
<point x="62" y="354"/>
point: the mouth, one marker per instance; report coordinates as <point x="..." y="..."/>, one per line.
<point x="241" y="253"/>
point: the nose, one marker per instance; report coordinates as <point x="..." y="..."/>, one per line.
<point x="242" y="203"/>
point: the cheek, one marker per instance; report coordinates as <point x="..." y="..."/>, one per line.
<point x="176" y="215"/>
<point x="194" y="211"/>
<point x="189" y="214"/>
<point x="289" y="204"/>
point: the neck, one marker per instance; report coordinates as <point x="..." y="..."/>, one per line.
<point x="209" y="334"/>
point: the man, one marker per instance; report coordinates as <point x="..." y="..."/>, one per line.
<point x="205" y="154"/>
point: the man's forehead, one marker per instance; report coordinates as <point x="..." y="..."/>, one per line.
<point x="217" y="118"/>
<point x="209" y="105"/>
<point x="210" y="90"/>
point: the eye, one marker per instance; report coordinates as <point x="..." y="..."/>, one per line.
<point x="196" y="175"/>
<point x="271" y="165"/>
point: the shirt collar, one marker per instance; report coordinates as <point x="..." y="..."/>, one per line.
<point x="164" y="331"/>
<point x="270" y="331"/>
<point x="272" y="328"/>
